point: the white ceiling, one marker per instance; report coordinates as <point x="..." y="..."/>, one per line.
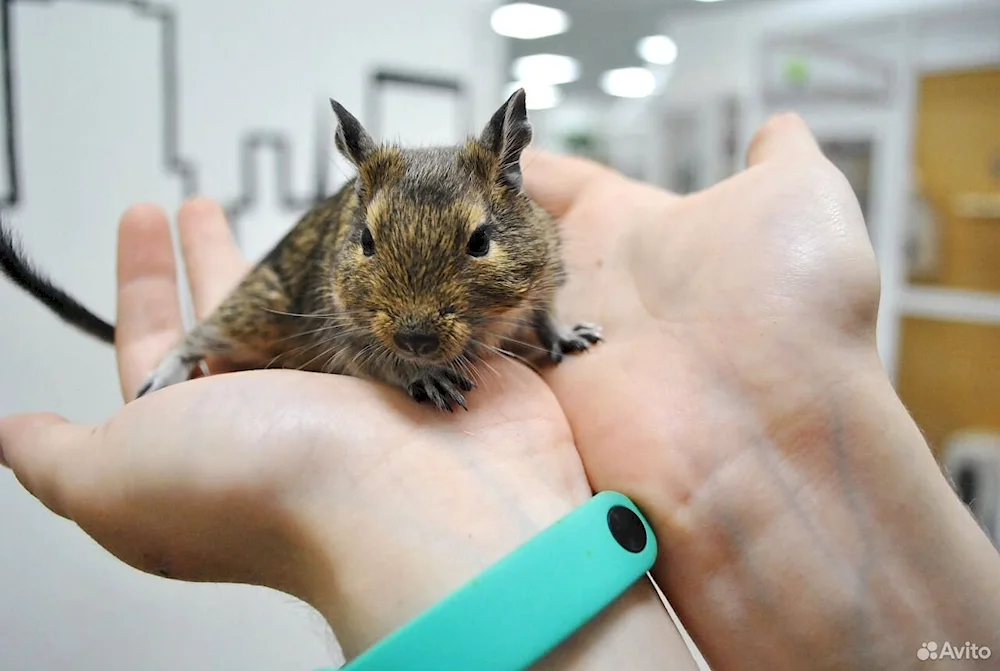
<point x="603" y="33"/>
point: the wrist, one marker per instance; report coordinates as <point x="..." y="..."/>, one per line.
<point x="362" y="609"/>
<point x="945" y="572"/>
<point x="825" y="513"/>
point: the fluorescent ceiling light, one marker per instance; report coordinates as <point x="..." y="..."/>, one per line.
<point x="628" y="82"/>
<point x="546" y="69"/>
<point x="709" y="0"/>
<point x="527" y="21"/>
<point x="536" y="96"/>
<point x="657" y="49"/>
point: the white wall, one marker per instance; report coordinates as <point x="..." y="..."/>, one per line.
<point x="90" y="140"/>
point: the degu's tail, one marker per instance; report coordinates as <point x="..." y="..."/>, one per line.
<point x="14" y="264"/>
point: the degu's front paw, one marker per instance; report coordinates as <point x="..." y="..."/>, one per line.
<point x="441" y="386"/>
<point x="172" y="370"/>
<point x="578" y="339"/>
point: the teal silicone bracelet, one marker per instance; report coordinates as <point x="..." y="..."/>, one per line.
<point x="518" y="610"/>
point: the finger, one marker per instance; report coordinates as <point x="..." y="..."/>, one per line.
<point x="556" y="182"/>
<point x="41" y="448"/>
<point x="149" y="313"/>
<point x="211" y="256"/>
<point x="782" y="137"/>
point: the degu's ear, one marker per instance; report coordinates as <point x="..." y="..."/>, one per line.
<point x="506" y="136"/>
<point x="352" y="140"/>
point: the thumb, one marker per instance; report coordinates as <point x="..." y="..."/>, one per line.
<point x="555" y="182"/>
<point x="41" y="449"/>
<point x="783" y="137"/>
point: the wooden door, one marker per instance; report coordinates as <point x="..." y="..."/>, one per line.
<point x="949" y="367"/>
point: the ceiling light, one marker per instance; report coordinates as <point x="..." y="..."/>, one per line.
<point x="657" y="49"/>
<point x="536" y="96"/>
<point x="709" y="0"/>
<point x="526" y="21"/>
<point x="628" y="82"/>
<point x="546" y="69"/>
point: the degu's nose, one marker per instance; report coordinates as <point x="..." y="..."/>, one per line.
<point x="417" y="342"/>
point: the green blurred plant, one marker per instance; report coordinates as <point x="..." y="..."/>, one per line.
<point x="583" y="143"/>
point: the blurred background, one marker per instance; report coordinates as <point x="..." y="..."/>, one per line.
<point x="107" y="103"/>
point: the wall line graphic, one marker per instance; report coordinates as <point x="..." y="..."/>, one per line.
<point x="176" y="164"/>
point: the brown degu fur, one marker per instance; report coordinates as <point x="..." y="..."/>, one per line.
<point x="425" y="263"/>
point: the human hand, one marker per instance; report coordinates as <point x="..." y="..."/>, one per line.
<point x="739" y="398"/>
<point x="341" y="492"/>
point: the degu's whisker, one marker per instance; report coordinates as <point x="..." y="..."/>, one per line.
<point x="502" y="352"/>
<point x="519" y="322"/>
<point x="474" y="371"/>
<point x="313" y="343"/>
<point x="360" y="353"/>
<point x="526" y="344"/>
<point x="318" y="356"/>
<point x="488" y="365"/>
<point x="326" y="367"/>
<point x="373" y="357"/>
<point x="303" y="334"/>
<point x="311" y="315"/>
<point x="333" y="329"/>
<point x="460" y="369"/>
<point x="511" y="355"/>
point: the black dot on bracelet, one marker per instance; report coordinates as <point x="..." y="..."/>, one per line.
<point x="627" y="529"/>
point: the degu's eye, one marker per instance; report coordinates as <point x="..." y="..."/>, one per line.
<point x="367" y="242"/>
<point x="479" y="242"/>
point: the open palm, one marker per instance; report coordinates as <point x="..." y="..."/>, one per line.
<point x="342" y="492"/>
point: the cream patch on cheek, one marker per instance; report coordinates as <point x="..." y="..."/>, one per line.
<point x="497" y="255"/>
<point x="501" y="266"/>
<point x="475" y="216"/>
<point x="375" y="212"/>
